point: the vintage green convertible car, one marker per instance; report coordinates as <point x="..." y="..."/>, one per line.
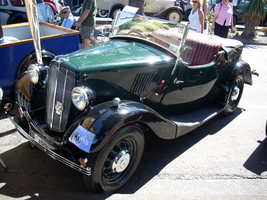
<point x="92" y="109"/>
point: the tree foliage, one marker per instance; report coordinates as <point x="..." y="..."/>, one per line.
<point x="252" y="14"/>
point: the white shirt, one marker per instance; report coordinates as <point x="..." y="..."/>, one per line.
<point x="194" y="22"/>
<point x="68" y="22"/>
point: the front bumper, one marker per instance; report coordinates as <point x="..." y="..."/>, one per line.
<point x="44" y="147"/>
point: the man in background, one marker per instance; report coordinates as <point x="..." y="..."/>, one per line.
<point x="87" y="22"/>
<point x="68" y="17"/>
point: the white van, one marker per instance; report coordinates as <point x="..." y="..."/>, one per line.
<point x="165" y="9"/>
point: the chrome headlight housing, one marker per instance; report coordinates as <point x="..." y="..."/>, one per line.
<point x="34" y="73"/>
<point x="37" y="73"/>
<point x="82" y="97"/>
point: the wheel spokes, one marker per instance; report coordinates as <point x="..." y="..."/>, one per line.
<point x="118" y="160"/>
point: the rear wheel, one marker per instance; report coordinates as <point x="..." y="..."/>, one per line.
<point x="114" y="165"/>
<point x="234" y="95"/>
<point x="103" y="13"/>
<point x="114" y="11"/>
<point x="174" y="16"/>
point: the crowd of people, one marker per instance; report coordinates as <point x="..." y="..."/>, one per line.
<point x="222" y="20"/>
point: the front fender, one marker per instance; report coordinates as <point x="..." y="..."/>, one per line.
<point x="108" y="119"/>
<point x="47" y="56"/>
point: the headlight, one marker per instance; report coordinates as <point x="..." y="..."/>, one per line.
<point x="82" y="96"/>
<point x="34" y="72"/>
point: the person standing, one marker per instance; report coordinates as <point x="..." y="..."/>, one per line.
<point x="87" y="22"/>
<point x="196" y="17"/>
<point x="223" y="19"/>
<point x="68" y="17"/>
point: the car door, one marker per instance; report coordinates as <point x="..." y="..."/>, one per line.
<point x="190" y="87"/>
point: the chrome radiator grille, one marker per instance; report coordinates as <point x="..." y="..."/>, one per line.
<point x="60" y="84"/>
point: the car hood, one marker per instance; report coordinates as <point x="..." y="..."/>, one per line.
<point x="115" y="54"/>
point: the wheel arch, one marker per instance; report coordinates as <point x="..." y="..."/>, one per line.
<point x="165" y="12"/>
<point x="117" y="5"/>
<point x="112" y="9"/>
<point x="17" y="16"/>
<point x="128" y="113"/>
<point x="46" y="54"/>
<point x="238" y="68"/>
<point x="241" y="68"/>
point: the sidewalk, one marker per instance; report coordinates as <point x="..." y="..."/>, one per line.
<point x="259" y="39"/>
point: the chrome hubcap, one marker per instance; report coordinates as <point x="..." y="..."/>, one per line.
<point x="121" y="161"/>
<point x="235" y="93"/>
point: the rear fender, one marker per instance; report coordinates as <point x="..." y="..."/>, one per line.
<point x="239" y="68"/>
<point x="106" y="119"/>
<point x="164" y="12"/>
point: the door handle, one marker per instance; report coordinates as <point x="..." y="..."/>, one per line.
<point x="176" y="81"/>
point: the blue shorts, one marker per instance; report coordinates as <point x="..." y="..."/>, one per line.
<point x="87" y="32"/>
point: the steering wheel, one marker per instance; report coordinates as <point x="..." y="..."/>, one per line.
<point x="136" y="33"/>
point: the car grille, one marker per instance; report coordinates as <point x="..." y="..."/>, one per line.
<point x="60" y="84"/>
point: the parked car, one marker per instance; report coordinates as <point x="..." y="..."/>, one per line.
<point x="237" y="17"/>
<point x="186" y="7"/>
<point x="17" y="51"/>
<point x="12" y="11"/>
<point x="165" y="9"/>
<point x="92" y="109"/>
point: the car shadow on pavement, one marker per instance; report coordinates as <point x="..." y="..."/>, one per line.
<point x="257" y="162"/>
<point x="33" y="174"/>
<point x="159" y="153"/>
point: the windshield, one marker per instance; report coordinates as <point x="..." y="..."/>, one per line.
<point x="165" y="33"/>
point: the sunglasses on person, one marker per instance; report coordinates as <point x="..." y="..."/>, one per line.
<point x="65" y="12"/>
<point x="195" y="1"/>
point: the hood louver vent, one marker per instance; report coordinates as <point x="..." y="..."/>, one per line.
<point x="141" y="82"/>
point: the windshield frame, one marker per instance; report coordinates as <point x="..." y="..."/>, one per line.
<point x="167" y="34"/>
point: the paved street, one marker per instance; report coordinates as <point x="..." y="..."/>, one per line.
<point x="224" y="159"/>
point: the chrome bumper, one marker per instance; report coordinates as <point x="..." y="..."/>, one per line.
<point x="52" y="154"/>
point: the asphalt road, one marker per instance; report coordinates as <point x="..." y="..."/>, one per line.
<point x="224" y="159"/>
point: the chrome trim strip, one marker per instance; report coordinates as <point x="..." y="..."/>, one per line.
<point x="52" y="154"/>
<point x="54" y="97"/>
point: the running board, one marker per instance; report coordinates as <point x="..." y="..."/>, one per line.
<point x="190" y="121"/>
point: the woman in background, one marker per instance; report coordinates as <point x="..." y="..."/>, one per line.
<point x="196" y="17"/>
<point x="223" y="18"/>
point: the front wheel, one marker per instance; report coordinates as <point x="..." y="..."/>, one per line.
<point x="114" y="165"/>
<point x="174" y="16"/>
<point x="234" y="95"/>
